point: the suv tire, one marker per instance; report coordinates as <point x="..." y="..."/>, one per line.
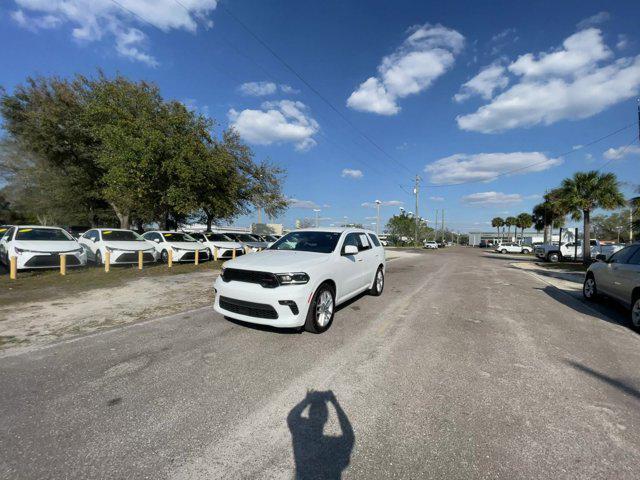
<point x="589" y="288"/>
<point x="321" y="310"/>
<point x="378" y="283"/>
<point x="635" y="313"/>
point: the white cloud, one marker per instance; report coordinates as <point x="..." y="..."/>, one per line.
<point x="486" y="166"/>
<point x="388" y="203"/>
<point x="621" y="152"/>
<point x="93" y="20"/>
<point x="570" y="83"/>
<point x="352" y="173"/>
<point x="491" y="198"/>
<point x="258" y="89"/>
<point x="623" y="42"/>
<point x="288" y="89"/>
<point x="593" y="20"/>
<point x="436" y="199"/>
<point x="283" y="121"/>
<point x="425" y="55"/>
<point x="306" y="204"/>
<point x="485" y="83"/>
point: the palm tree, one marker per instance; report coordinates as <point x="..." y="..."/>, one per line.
<point x="524" y="220"/>
<point x="509" y="221"/>
<point x="549" y="214"/>
<point x="585" y="192"/>
<point x="497" y="222"/>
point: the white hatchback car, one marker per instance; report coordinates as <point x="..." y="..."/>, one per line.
<point x="224" y="244"/>
<point x="40" y="247"/>
<point x="300" y="279"/>
<point x="182" y="244"/>
<point x="431" y="245"/>
<point x="123" y="246"/>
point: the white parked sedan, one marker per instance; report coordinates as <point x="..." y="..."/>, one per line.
<point x="224" y="244"/>
<point x="182" y="244"/>
<point x="40" y="247"/>
<point x="123" y="246"/>
<point x="512" y="248"/>
<point x="300" y="279"/>
<point x="617" y="277"/>
<point x="431" y="245"/>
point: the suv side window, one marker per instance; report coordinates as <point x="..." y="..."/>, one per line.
<point x="363" y="242"/>
<point x="635" y="259"/>
<point x="374" y="239"/>
<point x="351" y="239"/>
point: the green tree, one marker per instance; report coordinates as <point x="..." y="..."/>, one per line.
<point x="585" y="192"/>
<point x="509" y="222"/>
<point x="403" y="226"/>
<point x="549" y="214"/>
<point x="523" y="221"/>
<point x="497" y="222"/>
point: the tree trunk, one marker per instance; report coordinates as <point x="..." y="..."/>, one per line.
<point x="123" y="218"/>
<point x="209" y="222"/>
<point x="586" y="245"/>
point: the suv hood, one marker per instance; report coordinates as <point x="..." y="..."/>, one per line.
<point x="279" y="261"/>
<point x="128" y="245"/>
<point x="47" y="246"/>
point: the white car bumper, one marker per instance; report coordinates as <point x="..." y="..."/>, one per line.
<point x="250" y="302"/>
<point x="190" y="255"/>
<point x="228" y="252"/>
<point x="121" y="257"/>
<point x="28" y="260"/>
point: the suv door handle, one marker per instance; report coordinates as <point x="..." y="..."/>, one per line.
<point x="361" y="259"/>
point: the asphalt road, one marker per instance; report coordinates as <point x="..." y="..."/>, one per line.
<point x="463" y="368"/>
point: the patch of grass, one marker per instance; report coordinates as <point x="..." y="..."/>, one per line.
<point x="10" y="340"/>
<point x="573" y="267"/>
<point x="49" y="284"/>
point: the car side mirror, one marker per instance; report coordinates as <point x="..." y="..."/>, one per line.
<point x="157" y="240"/>
<point x="94" y="240"/>
<point x="350" y="250"/>
<point x="601" y="257"/>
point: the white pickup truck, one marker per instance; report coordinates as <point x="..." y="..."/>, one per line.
<point x="552" y="252"/>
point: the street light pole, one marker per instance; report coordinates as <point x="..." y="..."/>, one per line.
<point x="378" y="202"/>
<point x="317" y="210"/>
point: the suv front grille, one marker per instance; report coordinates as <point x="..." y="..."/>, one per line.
<point x="250" y="309"/>
<point x="266" y="279"/>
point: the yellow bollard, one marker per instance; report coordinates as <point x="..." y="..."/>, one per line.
<point x="247" y="250"/>
<point x="170" y="259"/>
<point x="13" y="269"/>
<point x="215" y="253"/>
<point x="233" y="254"/>
<point x="63" y="264"/>
<point x="107" y="261"/>
<point x="140" y="259"/>
<point x="197" y="256"/>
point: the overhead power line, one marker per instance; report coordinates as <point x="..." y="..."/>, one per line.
<point x="311" y="87"/>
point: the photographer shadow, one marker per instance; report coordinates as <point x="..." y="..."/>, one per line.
<point x="319" y="456"/>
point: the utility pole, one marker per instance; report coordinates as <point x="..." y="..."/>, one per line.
<point x="415" y="192"/>
<point x="435" y="228"/>
<point x="442" y="226"/>
<point x="317" y="210"/>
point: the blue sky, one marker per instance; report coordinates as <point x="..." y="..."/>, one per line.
<point x="453" y="91"/>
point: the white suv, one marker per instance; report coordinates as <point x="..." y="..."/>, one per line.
<point x="512" y="248"/>
<point x="299" y="280"/>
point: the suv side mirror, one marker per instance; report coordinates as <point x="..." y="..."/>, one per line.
<point x="350" y="250"/>
<point x="157" y="240"/>
<point x="601" y="257"/>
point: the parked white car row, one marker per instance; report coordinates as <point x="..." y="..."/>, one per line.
<point x="37" y="247"/>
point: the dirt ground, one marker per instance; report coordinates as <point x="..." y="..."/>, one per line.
<point x="40" y="308"/>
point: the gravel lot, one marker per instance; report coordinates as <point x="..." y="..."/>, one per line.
<point x="466" y="367"/>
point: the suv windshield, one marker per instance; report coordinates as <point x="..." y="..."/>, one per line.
<point x="178" y="237"/>
<point x="319" y="242"/>
<point x="217" y="237"/>
<point x="121" y="236"/>
<point x="44" y="234"/>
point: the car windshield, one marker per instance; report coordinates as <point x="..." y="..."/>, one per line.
<point x="121" y="236"/>
<point x="43" y="234"/>
<point x="217" y="237"/>
<point x="245" y="237"/>
<point x="319" y="242"/>
<point x="178" y="237"/>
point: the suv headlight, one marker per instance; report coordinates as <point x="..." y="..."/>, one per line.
<point x="297" y="278"/>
